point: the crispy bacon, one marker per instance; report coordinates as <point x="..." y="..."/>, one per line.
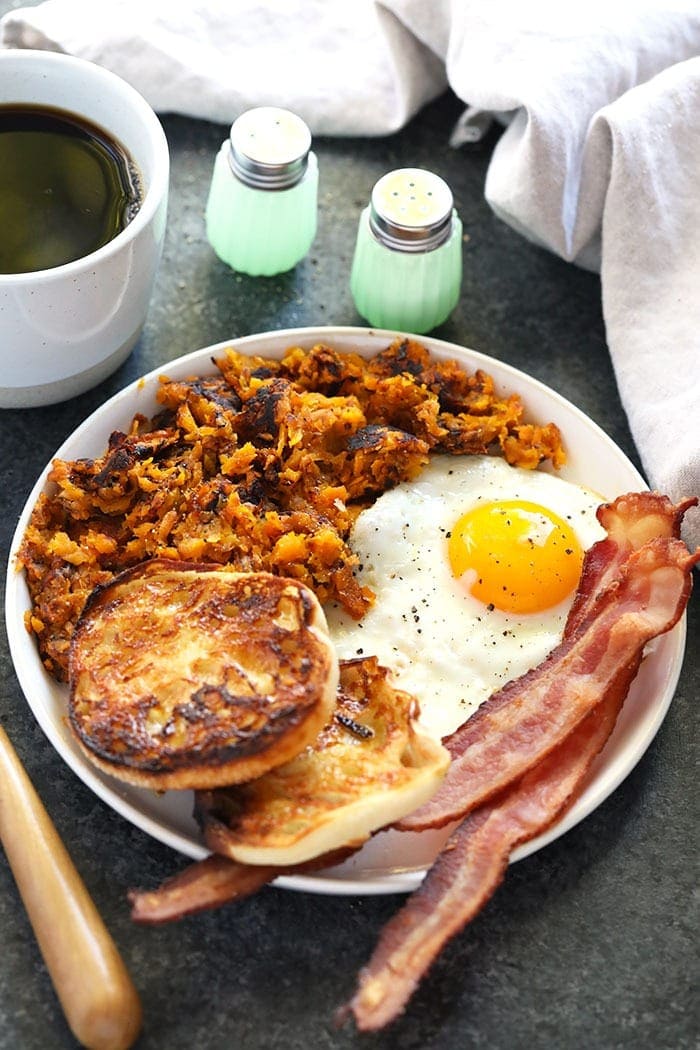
<point x="520" y="724"/>
<point x="473" y="863"/>
<point x="630" y="522"/>
<point x="214" y="881"/>
<point x="206" y="884"/>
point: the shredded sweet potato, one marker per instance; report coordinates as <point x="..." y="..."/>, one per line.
<point x="261" y="466"/>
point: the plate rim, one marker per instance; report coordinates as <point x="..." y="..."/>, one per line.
<point x="108" y="789"/>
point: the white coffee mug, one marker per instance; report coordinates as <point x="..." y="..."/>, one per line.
<point x="65" y="329"/>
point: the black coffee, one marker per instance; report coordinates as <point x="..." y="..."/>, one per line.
<point x="66" y="188"/>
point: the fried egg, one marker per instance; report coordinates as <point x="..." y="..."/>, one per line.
<point x="474" y="566"/>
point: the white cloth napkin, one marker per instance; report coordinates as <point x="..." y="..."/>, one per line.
<point x="346" y="67"/>
<point x="599" y="162"/>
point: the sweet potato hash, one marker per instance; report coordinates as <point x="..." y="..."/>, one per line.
<point x="261" y="466"/>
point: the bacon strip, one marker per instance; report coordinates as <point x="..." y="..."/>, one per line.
<point x="630" y="522"/>
<point x="474" y="861"/>
<point x="520" y="724"/>
<point x="214" y="881"/>
<point x="208" y="883"/>
<point x="471" y="867"/>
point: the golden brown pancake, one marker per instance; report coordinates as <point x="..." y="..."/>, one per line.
<point x="187" y="675"/>
<point x="368" y="767"/>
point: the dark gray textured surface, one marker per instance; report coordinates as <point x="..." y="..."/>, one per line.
<point x="592" y="941"/>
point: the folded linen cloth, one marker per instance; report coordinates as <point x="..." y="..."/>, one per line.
<point x="346" y="68"/>
<point x="598" y="162"/>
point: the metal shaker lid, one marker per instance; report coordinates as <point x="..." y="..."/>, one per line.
<point x="269" y="148"/>
<point x="411" y="210"/>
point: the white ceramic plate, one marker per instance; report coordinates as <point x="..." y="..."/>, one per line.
<point x="392" y="861"/>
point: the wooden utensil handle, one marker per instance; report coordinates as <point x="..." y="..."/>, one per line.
<point x="98" y="997"/>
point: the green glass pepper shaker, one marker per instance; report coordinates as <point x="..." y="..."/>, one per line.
<point x="407" y="268"/>
<point x="261" y="209"/>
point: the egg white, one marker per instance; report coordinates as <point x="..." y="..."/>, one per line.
<point x="443" y="645"/>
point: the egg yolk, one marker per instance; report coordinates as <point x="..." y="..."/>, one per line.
<point x="525" y="558"/>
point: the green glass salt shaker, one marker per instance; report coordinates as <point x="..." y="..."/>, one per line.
<point x="407" y="268"/>
<point x="261" y="209"/>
